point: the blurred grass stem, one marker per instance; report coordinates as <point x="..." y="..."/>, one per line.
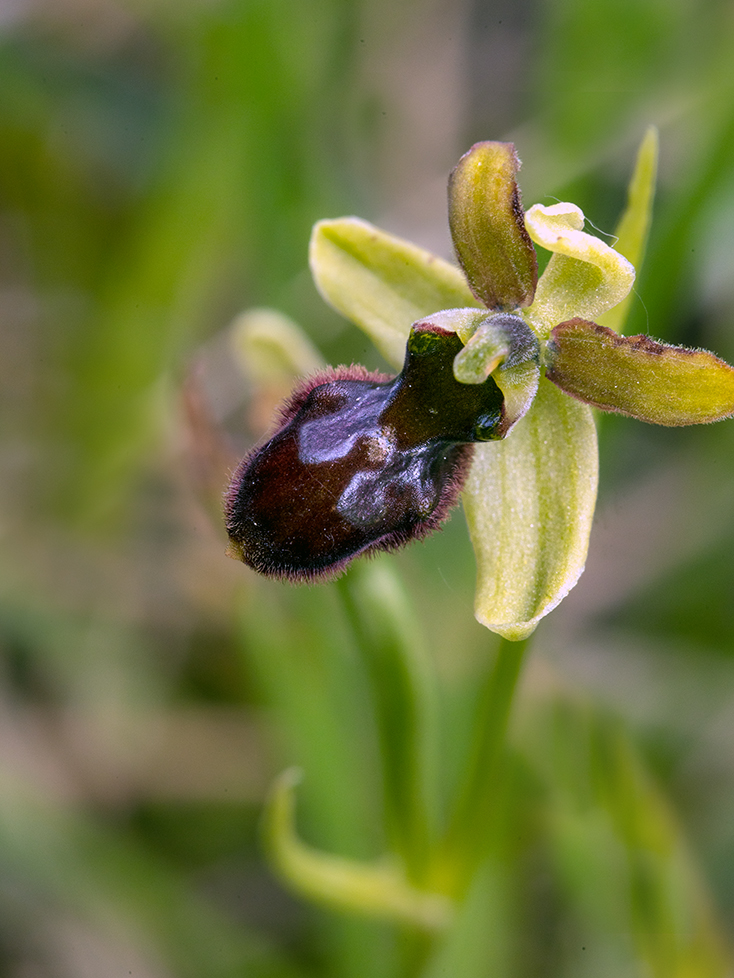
<point x="467" y="836"/>
<point x="379" y="614"/>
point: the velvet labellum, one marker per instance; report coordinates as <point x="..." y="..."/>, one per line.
<point x="361" y="462"/>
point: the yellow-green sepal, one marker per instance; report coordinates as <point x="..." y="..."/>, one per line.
<point x="382" y="283"/>
<point x="378" y="890"/>
<point x="638" y="376"/>
<point x="487" y="227"/>
<point x="529" y="502"/>
<point x="634" y="225"/>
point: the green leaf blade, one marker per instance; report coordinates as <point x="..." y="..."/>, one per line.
<point x="529" y="502"/>
<point x="382" y="283"/>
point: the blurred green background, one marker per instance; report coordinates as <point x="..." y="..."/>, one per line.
<point x="161" y="165"/>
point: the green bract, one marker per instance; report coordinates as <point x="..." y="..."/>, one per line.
<point x="374" y="890"/>
<point x="529" y="498"/>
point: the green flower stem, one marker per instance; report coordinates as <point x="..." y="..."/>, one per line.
<point x="385" y="633"/>
<point x="467" y="836"/>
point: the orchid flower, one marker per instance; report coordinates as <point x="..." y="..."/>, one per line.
<point x="500" y="371"/>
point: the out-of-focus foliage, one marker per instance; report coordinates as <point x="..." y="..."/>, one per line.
<point x="161" y="166"/>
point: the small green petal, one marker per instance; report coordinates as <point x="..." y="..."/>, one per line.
<point x="529" y="503"/>
<point x="378" y="890"/>
<point x="584" y="278"/>
<point x="486" y="220"/>
<point x="637" y="376"/>
<point x="380" y="282"/>
<point x="634" y="225"/>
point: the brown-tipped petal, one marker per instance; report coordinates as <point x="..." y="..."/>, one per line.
<point x="637" y="376"/>
<point x="487" y="225"/>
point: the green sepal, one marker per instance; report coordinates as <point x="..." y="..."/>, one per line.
<point x="529" y="502"/>
<point x="382" y="283"/>
<point x="638" y="376"/>
<point x="377" y="890"/>
<point x="488" y="229"/>
<point x="634" y="225"/>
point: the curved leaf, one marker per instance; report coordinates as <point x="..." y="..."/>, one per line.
<point x="529" y="502"/>
<point x="382" y="283"/>
<point x="377" y="890"/>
